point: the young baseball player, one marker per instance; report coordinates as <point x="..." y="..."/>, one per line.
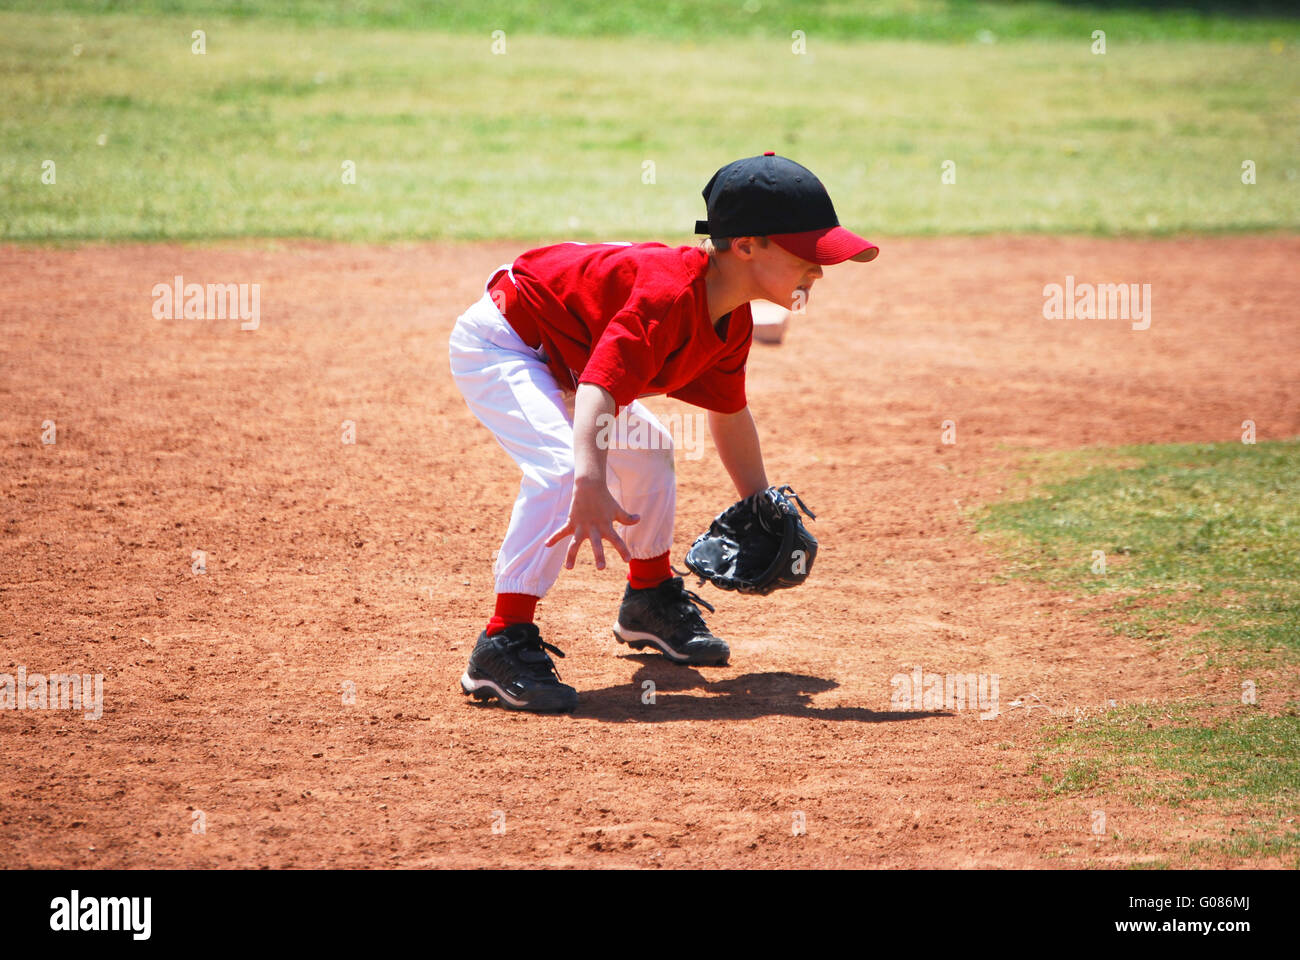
<point x="553" y="358"/>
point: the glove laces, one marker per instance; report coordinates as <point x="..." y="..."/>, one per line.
<point x="786" y="488"/>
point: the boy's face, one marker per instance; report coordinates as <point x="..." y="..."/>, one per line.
<point x="780" y="276"/>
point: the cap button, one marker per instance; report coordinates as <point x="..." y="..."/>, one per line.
<point x="769" y="153"/>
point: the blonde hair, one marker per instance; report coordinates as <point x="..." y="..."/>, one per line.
<point x="716" y="245"/>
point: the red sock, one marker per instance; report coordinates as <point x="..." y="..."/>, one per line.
<point x="512" y="608"/>
<point x="643" y="574"/>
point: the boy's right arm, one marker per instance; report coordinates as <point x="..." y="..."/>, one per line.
<point x="594" y="510"/>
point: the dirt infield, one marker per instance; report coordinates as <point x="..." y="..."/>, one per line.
<point x="366" y="567"/>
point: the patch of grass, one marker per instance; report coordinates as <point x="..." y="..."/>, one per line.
<point x="559" y="139"/>
<point x="1210" y="532"/>
<point x="1252" y="755"/>
<point x="1200" y="535"/>
<point x="986" y="21"/>
<point x="1246" y="767"/>
<point x="1258" y="840"/>
<point x="1078" y="775"/>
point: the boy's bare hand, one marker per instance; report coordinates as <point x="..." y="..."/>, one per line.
<point x="591" y="517"/>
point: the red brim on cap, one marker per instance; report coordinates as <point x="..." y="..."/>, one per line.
<point x="832" y="245"/>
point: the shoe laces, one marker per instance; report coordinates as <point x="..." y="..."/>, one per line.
<point x="685" y="601"/>
<point x="526" y="642"/>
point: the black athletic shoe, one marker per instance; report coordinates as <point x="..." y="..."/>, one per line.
<point x="665" y="617"/>
<point x="513" y="666"/>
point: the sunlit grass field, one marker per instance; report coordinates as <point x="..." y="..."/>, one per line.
<point x="613" y="137"/>
<point x="948" y="20"/>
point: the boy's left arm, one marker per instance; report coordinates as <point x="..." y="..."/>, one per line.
<point x="736" y="438"/>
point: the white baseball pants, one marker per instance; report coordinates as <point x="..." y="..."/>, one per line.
<point x="509" y="387"/>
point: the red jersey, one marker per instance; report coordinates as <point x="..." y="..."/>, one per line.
<point x="632" y="318"/>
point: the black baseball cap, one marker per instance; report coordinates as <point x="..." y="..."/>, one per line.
<point x="774" y="197"/>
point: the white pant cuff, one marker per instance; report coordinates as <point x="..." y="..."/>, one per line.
<point x="533" y="589"/>
<point x="652" y="552"/>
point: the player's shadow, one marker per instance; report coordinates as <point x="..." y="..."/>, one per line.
<point x="745" y="697"/>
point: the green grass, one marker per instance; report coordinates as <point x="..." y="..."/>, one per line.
<point x="1211" y="533"/>
<point x="1240" y="775"/>
<point x="1252" y="755"/>
<point x="947" y="20"/>
<point x="550" y="140"/>
<point x="1200" y="536"/>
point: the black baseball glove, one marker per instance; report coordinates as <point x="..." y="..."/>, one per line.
<point x="756" y="545"/>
